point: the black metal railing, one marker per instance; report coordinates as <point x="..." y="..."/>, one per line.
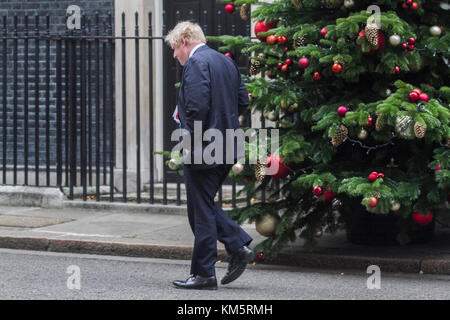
<point x="59" y="110"/>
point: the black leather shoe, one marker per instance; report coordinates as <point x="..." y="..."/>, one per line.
<point x="237" y="265"/>
<point x="197" y="282"/>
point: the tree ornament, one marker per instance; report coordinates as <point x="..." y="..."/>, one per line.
<point x="288" y="62"/>
<point x="414" y="96"/>
<point x="267" y="224"/>
<point x="439" y="167"/>
<point x="373" y="176"/>
<point x="245" y="11"/>
<point x="424" y="97"/>
<point x="395" y="40"/>
<point x="419" y="130"/>
<point x="318" y="233"/>
<point x="342" y="110"/>
<point x="297" y="3"/>
<point x="371" y="33"/>
<point x="328" y="196"/>
<point x="293" y="107"/>
<point x="174" y="164"/>
<point x="317" y="76"/>
<point x="414" y="6"/>
<point x="435" y="31"/>
<point x="395" y="206"/>
<point x="229" y="55"/>
<point x="335" y="4"/>
<point x="323" y="32"/>
<point x="397" y="70"/>
<point x="374" y="33"/>
<point x="262" y="26"/>
<point x="363" y="134"/>
<point x="422" y="220"/>
<point x="272" y="116"/>
<point x="369" y="122"/>
<point x="260" y="257"/>
<point x="372" y="202"/>
<point x="230" y="8"/>
<point x="303" y="62"/>
<point x="317" y="191"/>
<point x="282" y="40"/>
<point x="299" y="42"/>
<point x="237" y="168"/>
<point x="337" y="67"/>
<point x="349" y="4"/>
<point x="260" y="170"/>
<point x="284" y="68"/>
<point x="271" y="40"/>
<point x="338" y="138"/>
<point x="255" y="65"/>
<point x="282" y="172"/>
<point x="404" y="126"/>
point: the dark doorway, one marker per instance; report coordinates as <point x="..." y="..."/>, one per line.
<point x="214" y="21"/>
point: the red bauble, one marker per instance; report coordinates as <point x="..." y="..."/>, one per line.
<point x="381" y="42"/>
<point x="414" y="6"/>
<point x="323" y="32"/>
<point x="317" y="76"/>
<point x="342" y="111"/>
<point x="417" y="90"/>
<point x="414" y="96"/>
<point x="337" y="67"/>
<point x="303" y="62"/>
<point x="372" y="202"/>
<point x="317" y="191"/>
<point x="271" y="40"/>
<point x="229" y="8"/>
<point x="279" y="65"/>
<point x="411" y="40"/>
<point x="439" y="167"/>
<point x="284" y="68"/>
<point x="329" y="196"/>
<point x="282" y="40"/>
<point x="282" y="172"/>
<point x="397" y="70"/>
<point x="404" y="46"/>
<point x="409" y="2"/>
<point x="422" y="220"/>
<point x="410" y="47"/>
<point x="229" y="55"/>
<point x="260" y="256"/>
<point x="424" y="97"/>
<point x="288" y="62"/>
<point x="373" y="176"/>
<point x="261" y="26"/>
<point x="380" y="175"/>
<point x="369" y="122"/>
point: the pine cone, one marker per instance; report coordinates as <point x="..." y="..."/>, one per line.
<point x="379" y="124"/>
<point x="299" y="42"/>
<point x="245" y="10"/>
<point x="254" y="67"/>
<point x="297" y="3"/>
<point x="419" y="130"/>
<point x="339" y="137"/>
<point x="372" y="34"/>
<point x="260" y="170"/>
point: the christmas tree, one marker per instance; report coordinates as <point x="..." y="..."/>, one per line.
<point x="359" y="92"/>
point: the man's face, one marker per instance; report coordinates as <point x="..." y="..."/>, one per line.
<point x="181" y="52"/>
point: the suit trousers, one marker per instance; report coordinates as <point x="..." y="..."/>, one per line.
<point x="208" y="221"/>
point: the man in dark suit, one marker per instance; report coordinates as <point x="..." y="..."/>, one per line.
<point x="210" y="95"/>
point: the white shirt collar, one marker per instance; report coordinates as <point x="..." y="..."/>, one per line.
<point x="195" y="49"/>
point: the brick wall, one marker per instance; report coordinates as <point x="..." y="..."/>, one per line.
<point x="56" y="10"/>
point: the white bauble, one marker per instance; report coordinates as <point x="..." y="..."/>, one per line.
<point x="395" y="40"/>
<point x="435" y="31"/>
<point x="395" y="206"/>
<point x="363" y="134"/>
<point x="237" y="168"/>
<point x="349" y="3"/>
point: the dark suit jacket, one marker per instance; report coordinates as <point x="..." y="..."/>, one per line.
<point x="212" y="92"/>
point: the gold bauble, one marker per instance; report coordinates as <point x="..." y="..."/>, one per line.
<point x="266" y="224"/>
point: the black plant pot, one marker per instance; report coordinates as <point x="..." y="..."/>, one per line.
<point x="367" y="228"/>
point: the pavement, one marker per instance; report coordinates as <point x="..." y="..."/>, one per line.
<point x="157" y="231"/>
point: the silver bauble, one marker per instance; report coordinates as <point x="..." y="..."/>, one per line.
<point x="363" y="134"/>
<point x="272" y="116"/>
<point x="435" y="31"/>
<point x="349" y="3"/>
<point x="174" y="164"/>
<point x="395" y="40"/>
<point x="237" y="168"/>
<point x="404" y="126"/>
<point x="395" y="206"/>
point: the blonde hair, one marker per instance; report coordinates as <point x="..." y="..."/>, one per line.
<point x="189" y="31"/>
